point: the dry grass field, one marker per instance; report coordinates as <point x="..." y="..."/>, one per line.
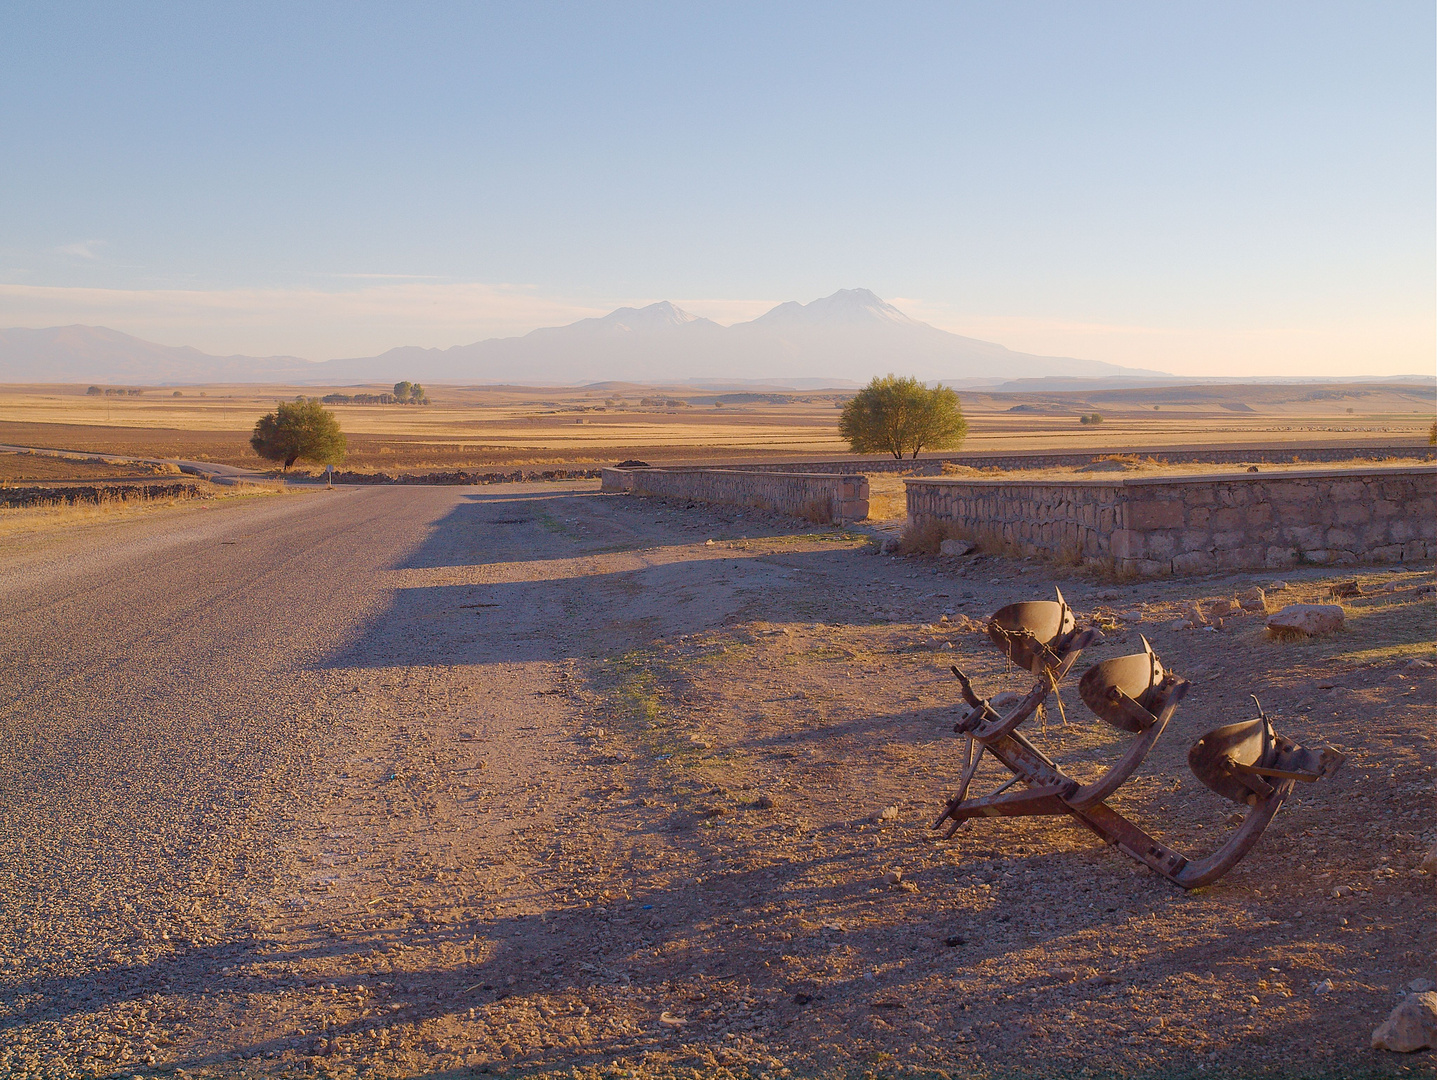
<point x="506" y="426"/>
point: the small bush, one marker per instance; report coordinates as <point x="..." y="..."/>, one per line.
<point x="926" y="537"/>
<point x="818" y="511"/>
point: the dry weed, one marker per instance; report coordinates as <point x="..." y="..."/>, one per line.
<point x="25" y="520"/>
<point x="925" y="538"/>
<point x="818" y="511"/>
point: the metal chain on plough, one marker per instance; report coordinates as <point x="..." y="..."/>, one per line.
<point x="1247" y="761"/>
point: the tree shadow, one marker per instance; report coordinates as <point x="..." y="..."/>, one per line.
<point x="531" y="577"/>
<point x="486" y="528"/>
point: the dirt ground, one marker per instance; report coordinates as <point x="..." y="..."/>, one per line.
<point x="608" y="787"/>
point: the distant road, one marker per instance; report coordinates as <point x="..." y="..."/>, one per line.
<point x="210" y="470"/>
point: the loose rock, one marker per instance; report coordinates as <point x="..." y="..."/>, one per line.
<point x="1254" y="599"/>
<point x="1411" y="1026"/>
<point x="955" y="547"/>
<point x="1310" y="619"/>
<point x="1429" y="861"/>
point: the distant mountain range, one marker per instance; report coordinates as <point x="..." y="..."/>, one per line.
<point x="847" y="337"/>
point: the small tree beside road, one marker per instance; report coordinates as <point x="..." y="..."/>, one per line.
<point x="895" y="416"/>
<point x="302" y="428"/>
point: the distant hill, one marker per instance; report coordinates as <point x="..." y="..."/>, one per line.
<point x="83" y="354"/>
<point x="844" y="338"/>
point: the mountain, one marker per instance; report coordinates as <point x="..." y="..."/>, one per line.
<point x="847" y="307"/>
<point x="849" y="336"/>
<point x="73" y="354"/>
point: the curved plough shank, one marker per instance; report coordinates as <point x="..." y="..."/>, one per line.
<point x="1246" y="762"/>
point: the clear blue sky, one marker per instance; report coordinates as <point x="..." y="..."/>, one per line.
<point x="1205" y="187"/>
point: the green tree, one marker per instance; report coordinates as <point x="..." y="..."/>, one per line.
<point x="900" y="415"/>
<point x="1432" y="434"/>
<point x="402" y="390"/>
<point x="302" y="428"/>
<point x="417" y="396"/>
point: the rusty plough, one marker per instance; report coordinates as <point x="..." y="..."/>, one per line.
<point x="1247" y="762"/>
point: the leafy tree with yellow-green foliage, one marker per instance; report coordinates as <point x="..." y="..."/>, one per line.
<point x="302" y="428"/>
<point x="893" y="415"/>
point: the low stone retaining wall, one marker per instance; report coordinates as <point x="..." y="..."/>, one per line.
<point x="51" y="494"/>
<point x="814" y="496"/>
<point x="932" y="464"/>
<point x="1195" y="524"/>
<point x="464" y="477"/>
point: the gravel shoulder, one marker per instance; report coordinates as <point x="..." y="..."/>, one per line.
<point x="526" y="779"/>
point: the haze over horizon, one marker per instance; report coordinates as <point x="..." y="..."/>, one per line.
<point x="1233" y="192"/>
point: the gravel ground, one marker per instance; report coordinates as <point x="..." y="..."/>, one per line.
<point x="529" y="780"/>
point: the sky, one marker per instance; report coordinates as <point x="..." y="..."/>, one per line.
<point x="1207" y="189"/>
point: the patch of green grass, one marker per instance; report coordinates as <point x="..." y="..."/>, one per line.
<point x="639" y="702"/>
<point x="822" y="538"/>
<point x="549" y="522"/>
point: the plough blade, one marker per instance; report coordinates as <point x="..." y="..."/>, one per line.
<point x="1247" y="762"/>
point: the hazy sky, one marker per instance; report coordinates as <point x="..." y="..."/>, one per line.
<point x="1207" y="188"/>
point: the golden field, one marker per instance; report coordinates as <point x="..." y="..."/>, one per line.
<point x="502" y="426"/>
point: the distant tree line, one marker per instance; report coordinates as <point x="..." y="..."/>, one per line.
<point x="1091" y="418"/>
<point x="405" y="393"/>
<point x="95" y="391"/>
<point x="359" y="399"/>
<point x="667" y="403"/>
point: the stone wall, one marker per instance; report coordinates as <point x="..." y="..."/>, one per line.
<point x="1195" y="524"/>
<point x="63" y="493"/>
<point x="814" y="496"/>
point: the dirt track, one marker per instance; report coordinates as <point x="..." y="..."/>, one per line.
<point x="399" y="782"/>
